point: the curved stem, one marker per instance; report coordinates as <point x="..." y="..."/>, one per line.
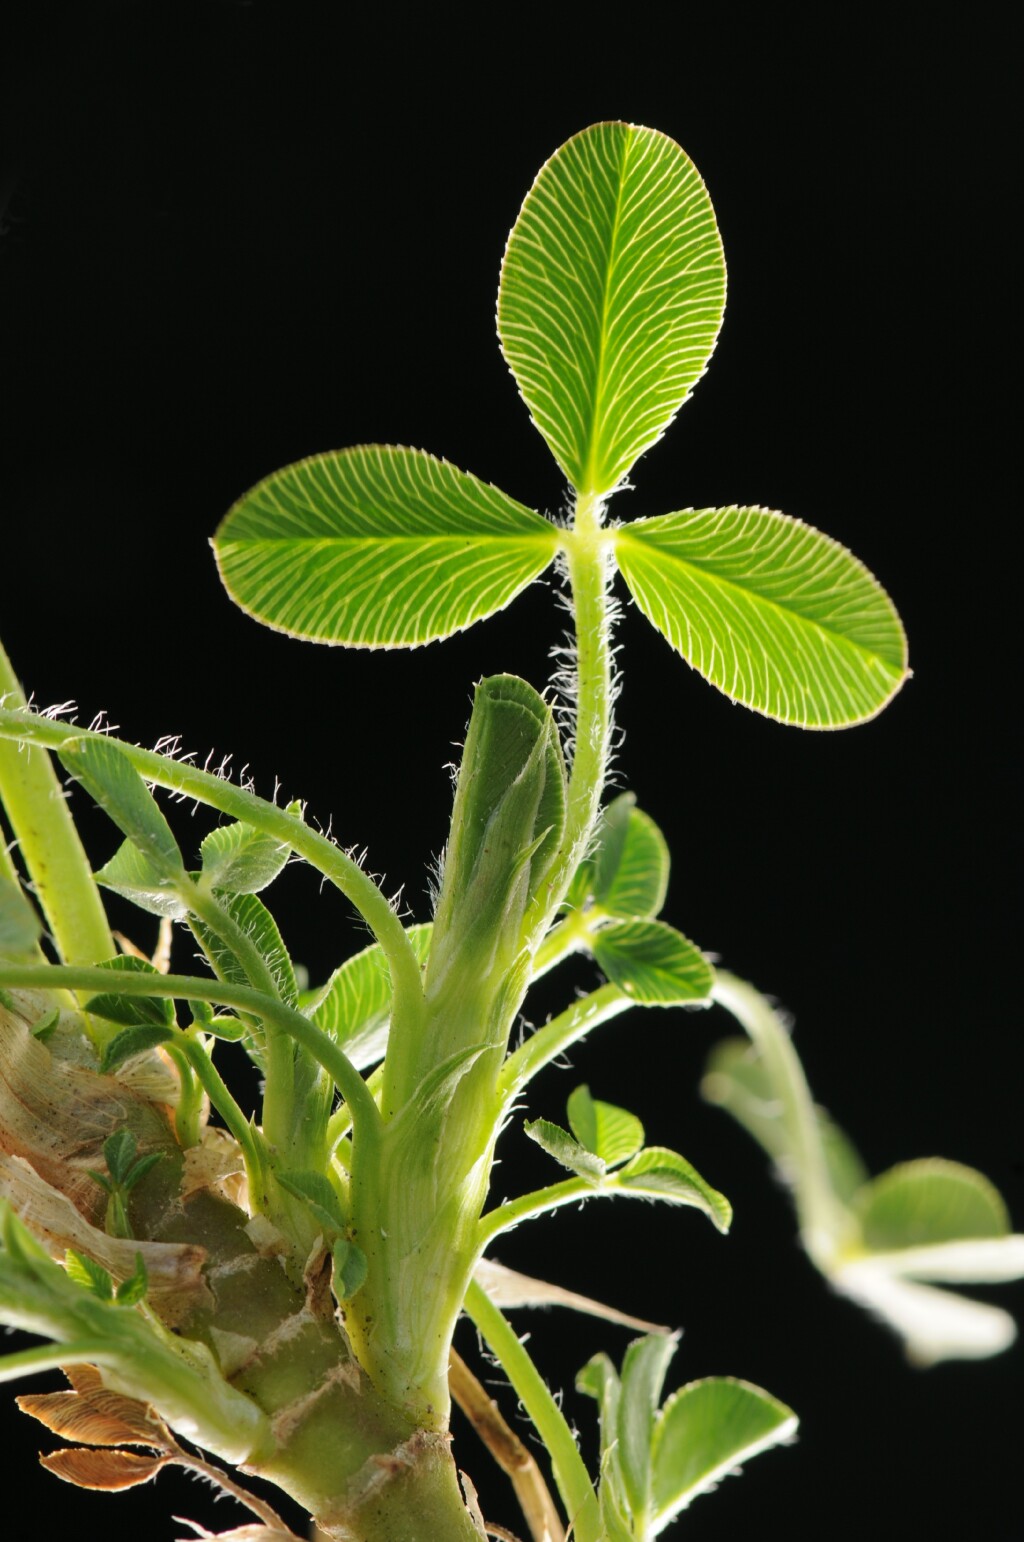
<point x="289" y="829"/>
<point x="571" y="1475"/>
<point x="365" y="1116"/>
<point x="537" y="1202"/>
<point x="548" y="1042"/>
<point x="50" y="846"/>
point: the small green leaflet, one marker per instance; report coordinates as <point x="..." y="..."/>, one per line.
<point x="131" y="1042"/>
<point x="611" y="297"/>
<point x="378" y="547"/>
<point x="654" y="1462"/>
<point x="129" y="874"/>
<point x="20" y="926"/>
<point x="350" y="1269"/>
<point x="921" y="1203"/>
<point x="241" y="859"/>
<point x="611" y="1133"/>
<point x="705" y="1432"/>
<point x="99" y="1283"/>
<point x="355" y="1008"/>
<point x="778" y="616"/>
<point x="558" y="1143"/>
<point x="318" y="1193"/>
<point x="132" y="1011"/>
<point x="626" y="876"/>
<point x="657" y="1173"/>
<point x="251" y="915"/>
<point x="653" y="963"/>
<point x="112" y="781"/>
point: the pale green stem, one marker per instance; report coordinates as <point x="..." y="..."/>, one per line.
<point x="52" y="1357"/>
<point x="823" y="1220"/>
<point x="50" y="847"/>
<point x="289" y="829"/>
<point x="587" y="557"/>
<point x="548" y="1042"/>
<point x="537" y="1202"/>
<point x="220" y="1096"/>
<point x="571" y="1474"/>
<point x="324" y="1051"/>
<point x="570" y="936"/>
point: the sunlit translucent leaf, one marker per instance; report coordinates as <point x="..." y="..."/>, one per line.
<point x="929" y="1201"/>
<point x="704" y="1432"/>
<point x="355" y="1009"/>
<point x="20" y="926"/>
<point x="658" y="1173"/>
<point x="735" y="1079"/>
<point x="112" y="781"/>
<point x="132" y="1011"/>
<point x="627" y="873"/>
<point x="612" y="293"/>
<point x="643" y="1374"/>
<point x="129" y="874"/>
<point x="317" y="1192"/>
<point x="242" y="859"/>
<point x="653" y="963"/>
<point x="90" y="1275"/>
<point x="559" y="1144"/>
<point x="378" y="547"/>
<point x="252" y="916"/>
<point x="778" y="616"/>
<point x="109" y="1469"/>
<point x="609" y="1132"/>
<point x="350" y="1269"/>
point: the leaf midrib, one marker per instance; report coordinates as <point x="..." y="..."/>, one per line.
<point x="623" y="536"/>
<point x="589" y="490"/>
<point x="540" y="538"/>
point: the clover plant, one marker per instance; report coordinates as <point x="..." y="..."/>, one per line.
<point x="279" y="1294"/>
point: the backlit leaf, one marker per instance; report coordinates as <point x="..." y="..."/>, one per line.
<point x="113" y="782"/>
<point x="611" y="1133"/>
<point x="627" y="874"/>
<point x="252" y="916"/>
<point x="129" y="874"/>
<point x="612" y="293"/>
<point x="643" y="1374"/>
<point x="778" y="616"/>
<point x="378" y="547"/>
<point x="559" y="1144"/>
<point x="653" y="963"/>
<point x="704" y="1432"/>
<point x="658" y="1173"/>
<point x="929" y="1201"/>
<point x="355" y="1008"/>
<point x="242" y="859"/>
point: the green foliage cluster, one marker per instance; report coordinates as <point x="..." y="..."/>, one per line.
<point x="366" y="1194"/>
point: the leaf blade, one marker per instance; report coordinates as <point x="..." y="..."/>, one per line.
<point x="611" y="297"/>
<point x="779" y="617"/>
<point x="653" y="963"/>
<point x="378" y="546"/>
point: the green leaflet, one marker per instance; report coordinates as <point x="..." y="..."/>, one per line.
<point x="612" y="1133"/>
<point x="655" y="1461"/>
<point x="653" y="963"/>
<point x="252" y="916"/>
<point x="129" y="874"/>
<point x="571" y="1153"/>
<point x="241" y="859"/>
<point x="316" y="1191"/>
<point x="611" y="297"/>
<point x="657" y="1173"/>
<point x="705" y="1432"/>
<point x="626" y="875"/>
<point x="355" y="1006"/>
<point x="20" y="926"/>
<point x="378" y="547"/>
<point x="931" y="1201"/>
<point x="112" y="781"/>
<point x="778" y="616"/>
<point x="132" y="1011"/>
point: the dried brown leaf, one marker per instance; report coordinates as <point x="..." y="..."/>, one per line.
<point x="97" y="1418"/>
<point x="109" y="1470"/>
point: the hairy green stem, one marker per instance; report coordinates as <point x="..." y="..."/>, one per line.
<point x="571" y="1475"/>
<point x="50" y="847"/>
<point x="547" y="1043"/>
<point x="537" y="1202"/>
<point x="237" y="803"/>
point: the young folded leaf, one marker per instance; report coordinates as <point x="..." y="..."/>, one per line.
<point x="612" y="293"/>
<point x="355" y="1005"/>
<point x="378" y="547"/>
<point x="112" y="781"/>
<point x="778" y="616"/>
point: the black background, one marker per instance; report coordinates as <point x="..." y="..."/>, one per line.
<point x="236" y="234"/>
